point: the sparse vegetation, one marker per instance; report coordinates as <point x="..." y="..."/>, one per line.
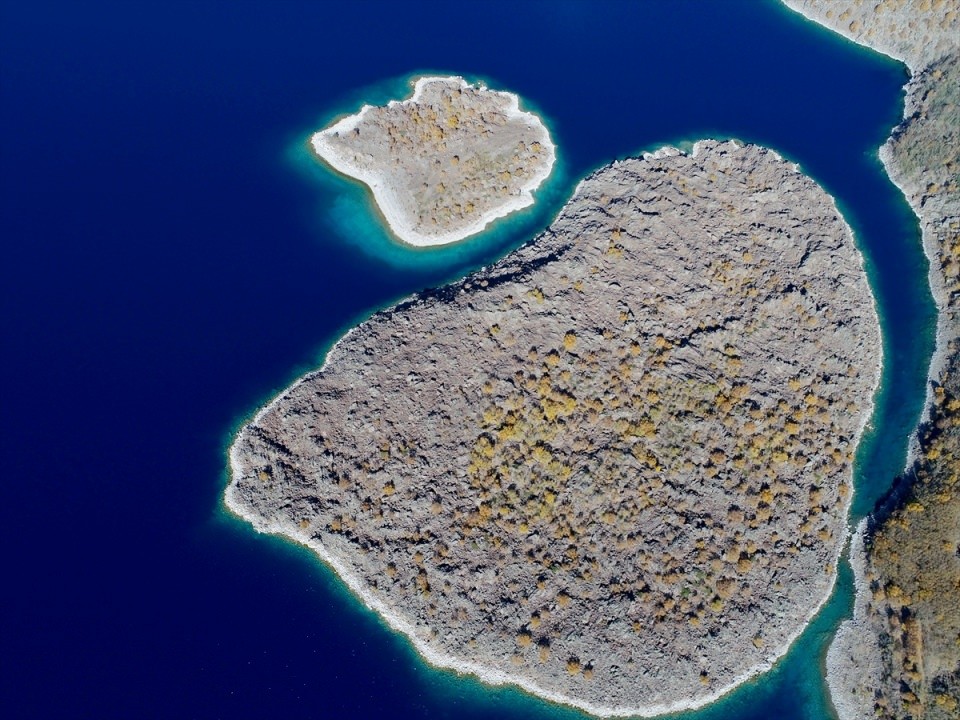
<point x="911" y="622"/>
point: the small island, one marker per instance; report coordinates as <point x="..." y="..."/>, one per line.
<point x="446" y="162"/>
<point x="613" y="468"/>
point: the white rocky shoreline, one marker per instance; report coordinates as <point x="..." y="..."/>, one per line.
<point x="438" y="659"/>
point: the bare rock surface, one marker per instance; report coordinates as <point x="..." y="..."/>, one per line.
<point x="613" y="468"/>
<point x="445" y="162"/>
<point x="923" y="159"/>
<point x="855" y="656"/>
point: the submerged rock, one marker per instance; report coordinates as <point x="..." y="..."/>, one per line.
<point x="614" y="467"/>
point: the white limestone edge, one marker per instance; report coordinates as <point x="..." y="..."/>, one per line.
<point x="809" y="14"/>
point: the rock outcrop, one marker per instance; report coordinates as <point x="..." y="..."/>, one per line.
<point x="614" y="467"/>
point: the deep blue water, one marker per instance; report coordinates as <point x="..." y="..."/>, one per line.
<point x="170" y="261"/>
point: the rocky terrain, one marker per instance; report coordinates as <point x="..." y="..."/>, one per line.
<point x="916" y="32"/>
<point x="614" y="467"/>
<point x="445" y="162"/>
<point x="900" y="655"/>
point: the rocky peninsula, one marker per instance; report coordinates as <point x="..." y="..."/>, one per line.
<point x="613" y="468"/>
<point x="899" y="657"/>
<point x="444" y="163"/>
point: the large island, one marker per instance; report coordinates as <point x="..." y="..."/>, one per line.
<point x="614" y="468"/>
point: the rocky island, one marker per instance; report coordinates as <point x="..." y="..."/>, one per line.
<point x="444" y="163"/>
<point x="613" y="468"/>
<point x="899" y="656"/>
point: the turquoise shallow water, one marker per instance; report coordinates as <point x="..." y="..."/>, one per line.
<point x="174" y="259"/>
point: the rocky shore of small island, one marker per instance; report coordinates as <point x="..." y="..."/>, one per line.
<point x="444" y="163"/>
<point x="899" y="656"/>
<point x="613" y="468"/>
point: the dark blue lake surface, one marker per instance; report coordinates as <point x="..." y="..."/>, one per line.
<point x="170" y="262"/>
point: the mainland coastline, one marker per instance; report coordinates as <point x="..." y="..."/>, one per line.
<point x="905" y="621"/>
<point x="469" y="154"/>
